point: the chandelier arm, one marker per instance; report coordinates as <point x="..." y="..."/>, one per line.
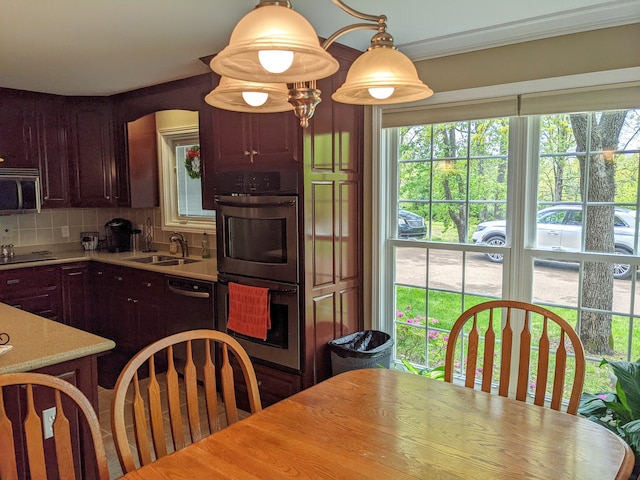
<point x="349" y="28"/>
<point x="360" y="15"/>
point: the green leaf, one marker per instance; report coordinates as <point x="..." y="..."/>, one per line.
<point x="632" y="435"/>
<point x="628" y="386"/>
<point x="592" y="405"/>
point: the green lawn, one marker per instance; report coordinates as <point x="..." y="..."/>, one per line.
<point x="444" y="309"/>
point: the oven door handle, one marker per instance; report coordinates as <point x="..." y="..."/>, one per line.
<point x="271" y="290"/>
<point x="255" y="205"/>
<point x="188" y="293"/>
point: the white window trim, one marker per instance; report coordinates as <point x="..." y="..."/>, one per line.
<point x="168" y="200"/>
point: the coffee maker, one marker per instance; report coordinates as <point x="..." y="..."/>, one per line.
<point x="118" y="232"/>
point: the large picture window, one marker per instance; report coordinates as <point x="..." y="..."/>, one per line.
<point x="537" y="208"/>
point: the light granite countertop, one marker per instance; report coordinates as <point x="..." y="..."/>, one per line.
<point x="203" y="269"/>
<point x="38" y="342"/>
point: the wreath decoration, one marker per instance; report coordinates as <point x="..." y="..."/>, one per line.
<point x="192" y="162"/>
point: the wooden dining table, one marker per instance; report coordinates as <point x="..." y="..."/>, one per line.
<point x="387" y="424"/>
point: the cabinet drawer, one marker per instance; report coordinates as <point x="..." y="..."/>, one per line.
<point x="274" y="385"/>
<point x="15" y="283"/>
<point x="45" y="303"/>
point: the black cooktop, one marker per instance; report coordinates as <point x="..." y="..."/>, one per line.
<point x="27" y="257"/>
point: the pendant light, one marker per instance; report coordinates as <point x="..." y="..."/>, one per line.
<point x="273" y="32"/>
<point x="250" y="97"/>
<point x="273" y="43"/>
<point x="382" y="75"/>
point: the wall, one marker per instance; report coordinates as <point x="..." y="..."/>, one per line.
<point x="579" y="53"/>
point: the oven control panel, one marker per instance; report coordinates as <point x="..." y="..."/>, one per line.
<point x="256" y="183"/>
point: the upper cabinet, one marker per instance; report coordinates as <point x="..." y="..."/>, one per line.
<point x="142" y="154"/>
<point x="17" y="130"/>
<point x="93" y="178"/>
<point x="52" y="151"/>
<point x="243" y="140"/>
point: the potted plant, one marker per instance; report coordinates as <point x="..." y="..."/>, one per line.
<point x="619" y="411"/>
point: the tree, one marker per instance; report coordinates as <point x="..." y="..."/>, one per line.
<point x="597" y="135"/>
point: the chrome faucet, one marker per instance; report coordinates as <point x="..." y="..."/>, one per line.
<point x="184" y="245"/>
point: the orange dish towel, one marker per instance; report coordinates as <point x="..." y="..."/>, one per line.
<point x="249" y="310"/>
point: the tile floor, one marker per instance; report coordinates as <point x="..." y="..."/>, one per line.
<point x="104" y="413"/>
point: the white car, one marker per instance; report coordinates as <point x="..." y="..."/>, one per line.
<point x="560" y="228"/>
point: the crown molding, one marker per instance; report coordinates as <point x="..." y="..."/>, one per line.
<point x="612" y="14"/>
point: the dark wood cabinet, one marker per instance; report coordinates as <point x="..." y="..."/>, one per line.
<point x="243" y="140"/>
<point x="93" y="178"/>
<point x="142" y="154"/>
<point x="35" y="290"/>
<point x="128" y="306"/>
<point x="52" y="151"/>
<point x="100" y="279"/>
<point x="76" y="295"/>
<point x="81" y="373"/>
<point x="274" y="384"/>
<point x="147" y="306"/>
<point x="17" y="130"/>
<point x="333" y="223"/>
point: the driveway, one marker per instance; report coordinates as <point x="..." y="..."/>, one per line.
<point x="555" y="283"/>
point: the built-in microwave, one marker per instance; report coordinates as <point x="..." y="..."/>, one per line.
<point x="19" y="190"/>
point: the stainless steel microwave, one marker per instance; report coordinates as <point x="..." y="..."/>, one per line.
<point x="19" y="190"/>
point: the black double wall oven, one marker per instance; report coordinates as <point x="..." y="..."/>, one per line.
<point x="257" y="245"/>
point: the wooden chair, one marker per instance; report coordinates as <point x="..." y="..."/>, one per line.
<point x="150" y="421"/>
<point x="70" y="404"/>
<point x="493" y="323"/>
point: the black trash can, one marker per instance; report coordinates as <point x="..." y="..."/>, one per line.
<point x="365" y="349"/>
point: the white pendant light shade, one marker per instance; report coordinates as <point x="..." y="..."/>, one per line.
<point x="386" y="71"/>
<point x="230" y="95"/>
<point x="274" y="28"/>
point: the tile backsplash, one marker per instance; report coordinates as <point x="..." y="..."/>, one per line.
<point x="60" y="229"/>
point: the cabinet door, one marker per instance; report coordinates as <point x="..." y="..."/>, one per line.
<point x="101" y="283"/>
<point x="120" y="311"/>
<point x="274" y="139"/>
<point x="147" y="301"/>
<point x="93" y="172"/>
<point x="17" y="132"/>
<point x="53" y="156"/>
<point x="245" y="141"/>
<point x="143" y="162"/>
<point x="75" y="295"/>
<point x="231" y="140"/>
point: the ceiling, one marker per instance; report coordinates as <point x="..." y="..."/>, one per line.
<point x="80" y="47"/>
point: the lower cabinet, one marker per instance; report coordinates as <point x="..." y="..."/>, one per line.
<point x="76" y="295"/>
<point x="80" y="372"/>
<point x="128" y="307"/>
<point x="35" y="290"/>
<point x="274" y="384"/>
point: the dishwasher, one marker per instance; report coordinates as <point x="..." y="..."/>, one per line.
<point x="189" y="306"/>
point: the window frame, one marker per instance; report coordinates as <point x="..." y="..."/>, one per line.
<point x="171" y="220"/>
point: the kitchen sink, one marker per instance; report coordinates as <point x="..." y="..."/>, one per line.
<point x="152" y="259"/>
<point x="175" y="261"/>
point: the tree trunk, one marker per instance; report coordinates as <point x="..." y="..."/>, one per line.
<point x="597" y="176"/>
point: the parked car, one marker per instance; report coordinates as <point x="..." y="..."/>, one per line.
<point x="560" y="228"/>
<point x="410" y="225"/>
